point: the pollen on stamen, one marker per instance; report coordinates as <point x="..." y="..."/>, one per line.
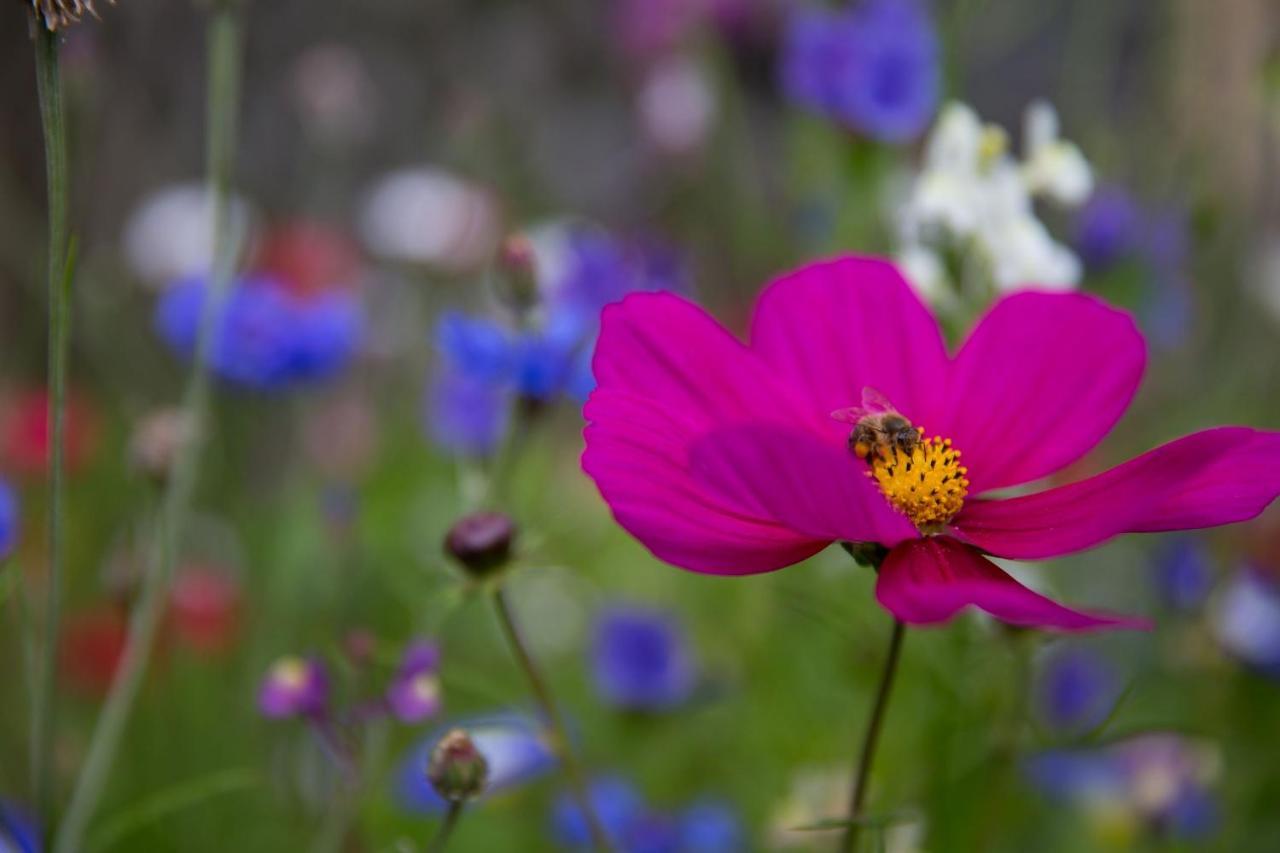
<point x="928" y="485"/>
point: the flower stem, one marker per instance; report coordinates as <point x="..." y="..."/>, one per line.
<point x="871" y="736"/>
<point x="559" y="741"/>
<point x="441" y="838"/>
<point x="53" y="117"/>
<point x="224" y="49"/>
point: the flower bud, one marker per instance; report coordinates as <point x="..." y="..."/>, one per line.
<point x="457" y="770"/>
<point x="158" y="439"/>
<point x="519" y="265"/>
<point x="481" y="542"/>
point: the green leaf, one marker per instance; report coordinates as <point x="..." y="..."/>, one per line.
<point x="182" y="796"/>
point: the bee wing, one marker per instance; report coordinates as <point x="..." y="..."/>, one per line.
<point x="873" y="403"/>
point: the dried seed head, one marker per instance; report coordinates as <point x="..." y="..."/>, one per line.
<point x="59" y="14"/>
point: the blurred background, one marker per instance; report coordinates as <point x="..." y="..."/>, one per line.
<point x="393" y="358"/>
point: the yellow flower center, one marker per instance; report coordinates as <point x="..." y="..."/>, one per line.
<point x="928" y="485"/>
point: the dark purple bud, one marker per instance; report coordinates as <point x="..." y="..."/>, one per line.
<point x="481" y="542"/>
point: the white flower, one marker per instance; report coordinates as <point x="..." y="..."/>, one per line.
<point x="169" y="236"/>
<point x="1053" y="167"/>
<point x="428" y="216"/>
<point x="972" y="195"/>
<point x="676" y="105"/>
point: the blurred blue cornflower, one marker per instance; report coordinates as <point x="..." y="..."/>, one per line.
<point x="633" y="827"/>
<point x="1246" y="620"/>
<point x="1075" y="689"/>
<point x="487" y="361"/>
<point x="18" y="832"/>
<point x="270" y="338"/>
<point x="512" y="745"/>
<point x="1183" y="572"/>
<point x="9" y="519"/>
<point x="1160" y="781"/>
<point x="875" y="67"/>
<point x="1114" y="228"/>
<point x="640" y="659"/>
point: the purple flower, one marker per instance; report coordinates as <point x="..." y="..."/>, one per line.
<point x="1108" y="228"/>
<point x="465" y="415"/>
<point x="873" y="68"/>
<point x="1160" y="779"/>
<point x="8" y="519"/>
<point x="634" y="827"/>
<point x="1183" y="572"/>
<point x="269" y="338"/>
<point x="511" y="744"/>
<point x="1076" y="690"/>
<point x="414" y="694"/>
<point x="294" y="687"/>
<point x="640" y="659"/>
<point x="615" y="802"/>
<point x="1246" y="620"/>
<point x="18" y="832"/>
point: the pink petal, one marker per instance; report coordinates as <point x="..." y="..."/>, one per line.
<point x="663" y="348"/>
<point x="639" y="458"/>
<point x="1214" y="477"/>
<point x="1038" y="383"/>
<point x="667" y="373"/>
<point x="835" y="327"/>
<point x="808" y="485"/>
<point x="930" y="580"/>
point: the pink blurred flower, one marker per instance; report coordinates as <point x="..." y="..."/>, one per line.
<point x="310" y="257"/>
<point x="723" y="457"/>
<point x="93" y="642"/>
<point x="204" y="608"/>
<point x="25" y="434"/>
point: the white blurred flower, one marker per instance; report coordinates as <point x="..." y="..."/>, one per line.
<point x="170" y="234"/>
<point x="1053" y="167"/>
<point x="1265" y="275"/>
<point x="972" y="195"/>
<point x="1245" y="617"/>
<point x="676" y="105"/>
<point x="429" y="216"/>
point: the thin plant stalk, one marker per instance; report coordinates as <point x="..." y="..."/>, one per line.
<point x="450" y="823"/>
<point x="53" y="118"/>
<point x="870" y="739"/>
<point x="555" y="723"/>
<point x="224" y="58"/>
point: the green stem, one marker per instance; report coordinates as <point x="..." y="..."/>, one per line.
<point x="451" y="818"/>
<point x="555" y="723"/>
<point x="224" y="46"/>
<point x="870" y="738"/>
<point x="53" y="117"/>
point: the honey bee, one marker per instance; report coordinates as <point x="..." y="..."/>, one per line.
<point x="878" y="428"/>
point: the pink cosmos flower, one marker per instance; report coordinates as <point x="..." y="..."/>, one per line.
<point x="724" y="458"/>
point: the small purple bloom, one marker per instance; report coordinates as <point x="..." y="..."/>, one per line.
<point x="294" y="687"/>
<point x="9" y="519"/>
<point x="1161" y="779"/>
<point x="465" y="415"/>
<point x="1246" y="620"/>
<point x="615" y="802"/>
<point x="711" y="827"/>
<point x="414" y="694"/>
<point x="640" y="659"/>
<point x="1183" y="572"/>
<point x="18" y="832"/>
<point x="512" y="745"/>
<point x="1108" y="228"/>
<point x="269" y="338"/>
<point x="477" y="347"/>
<point x="874" y="68"/>
<point x="1076" y="690"/>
